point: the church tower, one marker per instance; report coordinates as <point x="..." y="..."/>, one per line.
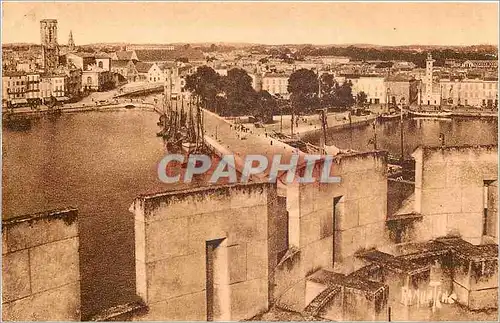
<point x="50" y="48"/>
<point x="71" y="42"/>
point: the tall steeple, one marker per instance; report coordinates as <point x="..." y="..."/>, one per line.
<point x="71" y="43"/>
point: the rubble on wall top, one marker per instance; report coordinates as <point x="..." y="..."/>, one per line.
<point x="69" y="215"/>
<point x="461" y="147"/>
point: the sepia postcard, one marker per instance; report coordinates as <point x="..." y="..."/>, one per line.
<point x="249" y="161"/>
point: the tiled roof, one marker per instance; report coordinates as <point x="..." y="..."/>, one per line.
<point x="159" y="55"/>
<point x="143" y="67"/>
<point x="119" y="64"/>
<point x="399" y="78"/>
<point x="124" y="55"/>
<point x="13" y="73"/>
<point x="102" y="55"/>
<point x="83" y="54"/>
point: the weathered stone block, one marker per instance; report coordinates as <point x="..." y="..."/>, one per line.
<point x="309" y="229"/>
<point x="248" y="198"/>
<point x="167" y="238"/>
<point x="307" y="196"/>
<point x="54" y="264"/>
<point x="375" y="235"/>
<point x="435" y="201"/>
<point x="256" y="261"/>
<point x="333" y="310"/>
<point x="237" y="262"/>
<point x="453" y="176"/>
<point x="59" y="304"/>
<point x="34" y="233"/>
<point x="347" y="216"/>
<point x="15" y="276"/>
<point x="176" y="276"/>
<point x="205" y="227"/>
<point x="294" y="297"/>
<point x="287" y="274"/>
<point x="439" y="225"/>
<point x="462" y="294"/>
<point x="372" y="209"/>
<point x="348" y="242"/>
<point x="433" y="176"/>
<point x="190" y="307"/>
<point x="317" y="255"/>
<point x="313" y="289"/>
<point x="483" y="299"/>
<point x="245" y="223"/>
<point x="248" y="298"/>
<point x="466" y="224"/>
<point x="472" y="199"/>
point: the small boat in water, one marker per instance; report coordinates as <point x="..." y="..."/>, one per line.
<point x="431" y="114"/>
<point x="390" y="115"/>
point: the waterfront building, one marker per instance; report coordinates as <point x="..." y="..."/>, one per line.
<point x="469" y="92"/>
<point x="96" y="79"/>
<point x="32" y="86"/>
<point x="372" y="85"/>
<point x="14" y="86"/>
<point x="82" y="61"/>
<point x="156" y="73"/>
<point x="53" y="84"/>
<point x="125" y="68"/>
<point x="276" y="84"/>
<point x="143" y="70"/>
<point x="402" y="88"/>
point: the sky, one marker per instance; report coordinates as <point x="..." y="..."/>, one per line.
<point x="400" y="23"/>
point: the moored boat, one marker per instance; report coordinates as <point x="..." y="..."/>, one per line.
<point x="390" y="115"/>
<point x="432" y="114"/>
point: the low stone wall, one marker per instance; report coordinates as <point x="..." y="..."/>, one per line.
<point x="450" y="190"/>
<point x="40" y="269"/>
<point x="205" y="253"/>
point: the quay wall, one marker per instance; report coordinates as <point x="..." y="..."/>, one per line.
<point x="451" y="191"/>
<point x="40" y="269"/>
<point x="216" y="239"/>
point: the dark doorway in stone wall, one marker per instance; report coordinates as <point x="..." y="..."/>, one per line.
<point x="490" y="209"/>
<point x="217" y="280"/>
<point x="337" y="213"/>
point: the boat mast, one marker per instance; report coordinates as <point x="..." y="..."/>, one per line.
<point x="401" y="126"/>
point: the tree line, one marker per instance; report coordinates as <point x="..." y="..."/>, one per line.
<point x="233" y="95"/>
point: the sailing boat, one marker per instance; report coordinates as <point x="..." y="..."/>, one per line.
<point x="194" y="139"/>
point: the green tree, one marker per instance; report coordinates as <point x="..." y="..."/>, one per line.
<point x="361" y="98"/>
<point x="267" y="107"/>
<point x="328" y="85"/>
<point x="206" y="84"/>
<point x="343" y="95"/>
<point x="303" y="87"/>
<point x="241" y="97"/>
